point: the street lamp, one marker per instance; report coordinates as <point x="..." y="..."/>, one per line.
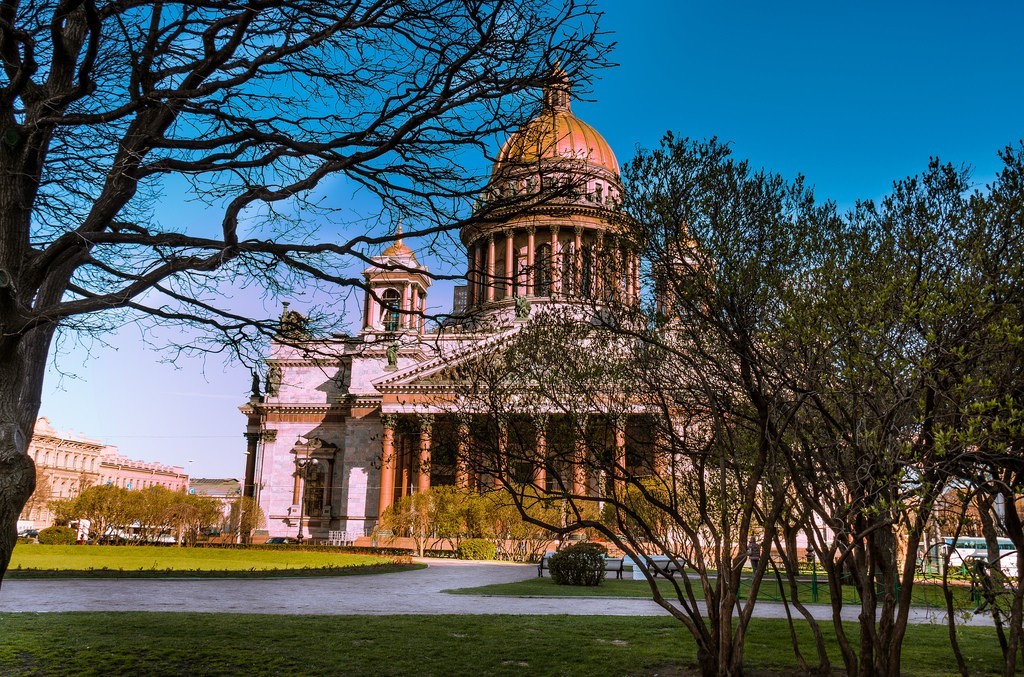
<point x="303" y="468"/>
<point x="241" y="513"/>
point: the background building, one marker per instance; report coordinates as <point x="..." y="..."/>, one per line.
<point x="67" y="463"/>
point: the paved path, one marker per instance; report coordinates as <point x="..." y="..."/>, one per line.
<point x="410" y="592"/>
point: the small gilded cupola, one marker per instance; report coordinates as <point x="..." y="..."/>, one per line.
<point x="396" y="291"/>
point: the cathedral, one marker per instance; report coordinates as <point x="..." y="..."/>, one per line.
<point x="347" y="426"/>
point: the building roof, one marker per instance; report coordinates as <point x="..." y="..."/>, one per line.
<point x="215" y="486"/>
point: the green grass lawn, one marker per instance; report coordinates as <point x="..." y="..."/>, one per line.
<point x="217" y="644"/>
<point x="144" y="560"/>
<point x="924" y="594"/>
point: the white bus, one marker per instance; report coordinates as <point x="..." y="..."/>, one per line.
<point x="965" y="550"/>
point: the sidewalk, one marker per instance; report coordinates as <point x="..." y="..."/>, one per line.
<point x="409" y="592"/>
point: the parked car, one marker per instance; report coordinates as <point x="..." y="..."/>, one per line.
<point x="28" y="533"/>
<point x="282" y="540"/>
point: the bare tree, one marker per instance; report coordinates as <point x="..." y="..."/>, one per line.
<point x="250" y="106"/>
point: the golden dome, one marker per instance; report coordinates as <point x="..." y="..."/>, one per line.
<point x="398" y="249"/>
<point x="556" y="134"/>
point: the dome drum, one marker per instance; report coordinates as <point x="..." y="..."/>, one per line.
<point x="553" y="262"/>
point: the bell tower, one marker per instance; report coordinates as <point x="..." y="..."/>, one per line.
<point x="679" y="260"/>
<point x="396" y="297"/>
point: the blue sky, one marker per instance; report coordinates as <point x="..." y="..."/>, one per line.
<point x="851" y="94"/>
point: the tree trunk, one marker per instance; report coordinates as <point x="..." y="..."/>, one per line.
<point x="17" y="481"/>
<point x="22" y="365"/>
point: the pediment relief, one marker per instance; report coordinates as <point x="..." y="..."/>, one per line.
<point x="449" y="368"/>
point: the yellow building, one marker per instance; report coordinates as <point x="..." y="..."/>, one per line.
<point x="67" y="463"/>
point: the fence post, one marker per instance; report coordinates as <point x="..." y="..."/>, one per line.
<point x="814" y="584"/>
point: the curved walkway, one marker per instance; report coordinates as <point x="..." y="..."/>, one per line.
<point x="409" y="592"/>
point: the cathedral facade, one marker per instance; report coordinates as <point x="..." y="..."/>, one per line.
<point x="347" y="426"/>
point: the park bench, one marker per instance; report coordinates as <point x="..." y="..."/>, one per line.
<point x="614" y="564"/>
<point x="658" y="565"/>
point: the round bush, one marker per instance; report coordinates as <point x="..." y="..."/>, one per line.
<point x="58" y="536"/>
<point x="579" y="564"/>
<point x="477" y="548"/>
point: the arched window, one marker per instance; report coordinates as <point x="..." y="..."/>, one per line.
<point x="313" y="489"/>
<point x="391" y="302"/>
<point x="542" y="270"/>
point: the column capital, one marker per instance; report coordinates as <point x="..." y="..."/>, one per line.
<point x="389" y="421"/>
<point x="426" y="422"/>
<point x="531" y="229"/>
<point x="578" y="230"/>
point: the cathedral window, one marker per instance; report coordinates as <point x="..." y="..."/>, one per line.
<point x="587" y="273"/>
<point x="568" y="268"/>
<point x="542" y="266"/>
<point x="391" y="300"/>
<point x="313" y="491"/>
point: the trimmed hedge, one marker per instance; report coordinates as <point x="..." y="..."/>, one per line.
<point x="58" y="536"/>
<point x="477" y="548"/>
<point x="578" y="564"/>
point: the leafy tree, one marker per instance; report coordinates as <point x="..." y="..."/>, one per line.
<point x="244" y="517"/>
<point x="188" y="515"/>
<point x="409" y="517"/>
<point x="697" y="474"/>
<point x="251" y="107"/>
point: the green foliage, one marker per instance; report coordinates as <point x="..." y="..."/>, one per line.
<point x="57" y="535"/>
<point x="477" y="548"/>
<point x="118" y="513"/>
<point x="578" y="564"/>
<point x="408" y="518"/>
<point x="62" y="510"/>
<point x="244" y="517"/>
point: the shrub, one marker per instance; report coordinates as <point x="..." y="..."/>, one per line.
<point x="58" y="536"/>
<point x="579" y="564"/>
<point x="477" y="548"/>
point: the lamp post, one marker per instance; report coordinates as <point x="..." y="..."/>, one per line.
<point x="241" y="514"/>
<point x="814" y="575"/>
<point x="302" y="468"/>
